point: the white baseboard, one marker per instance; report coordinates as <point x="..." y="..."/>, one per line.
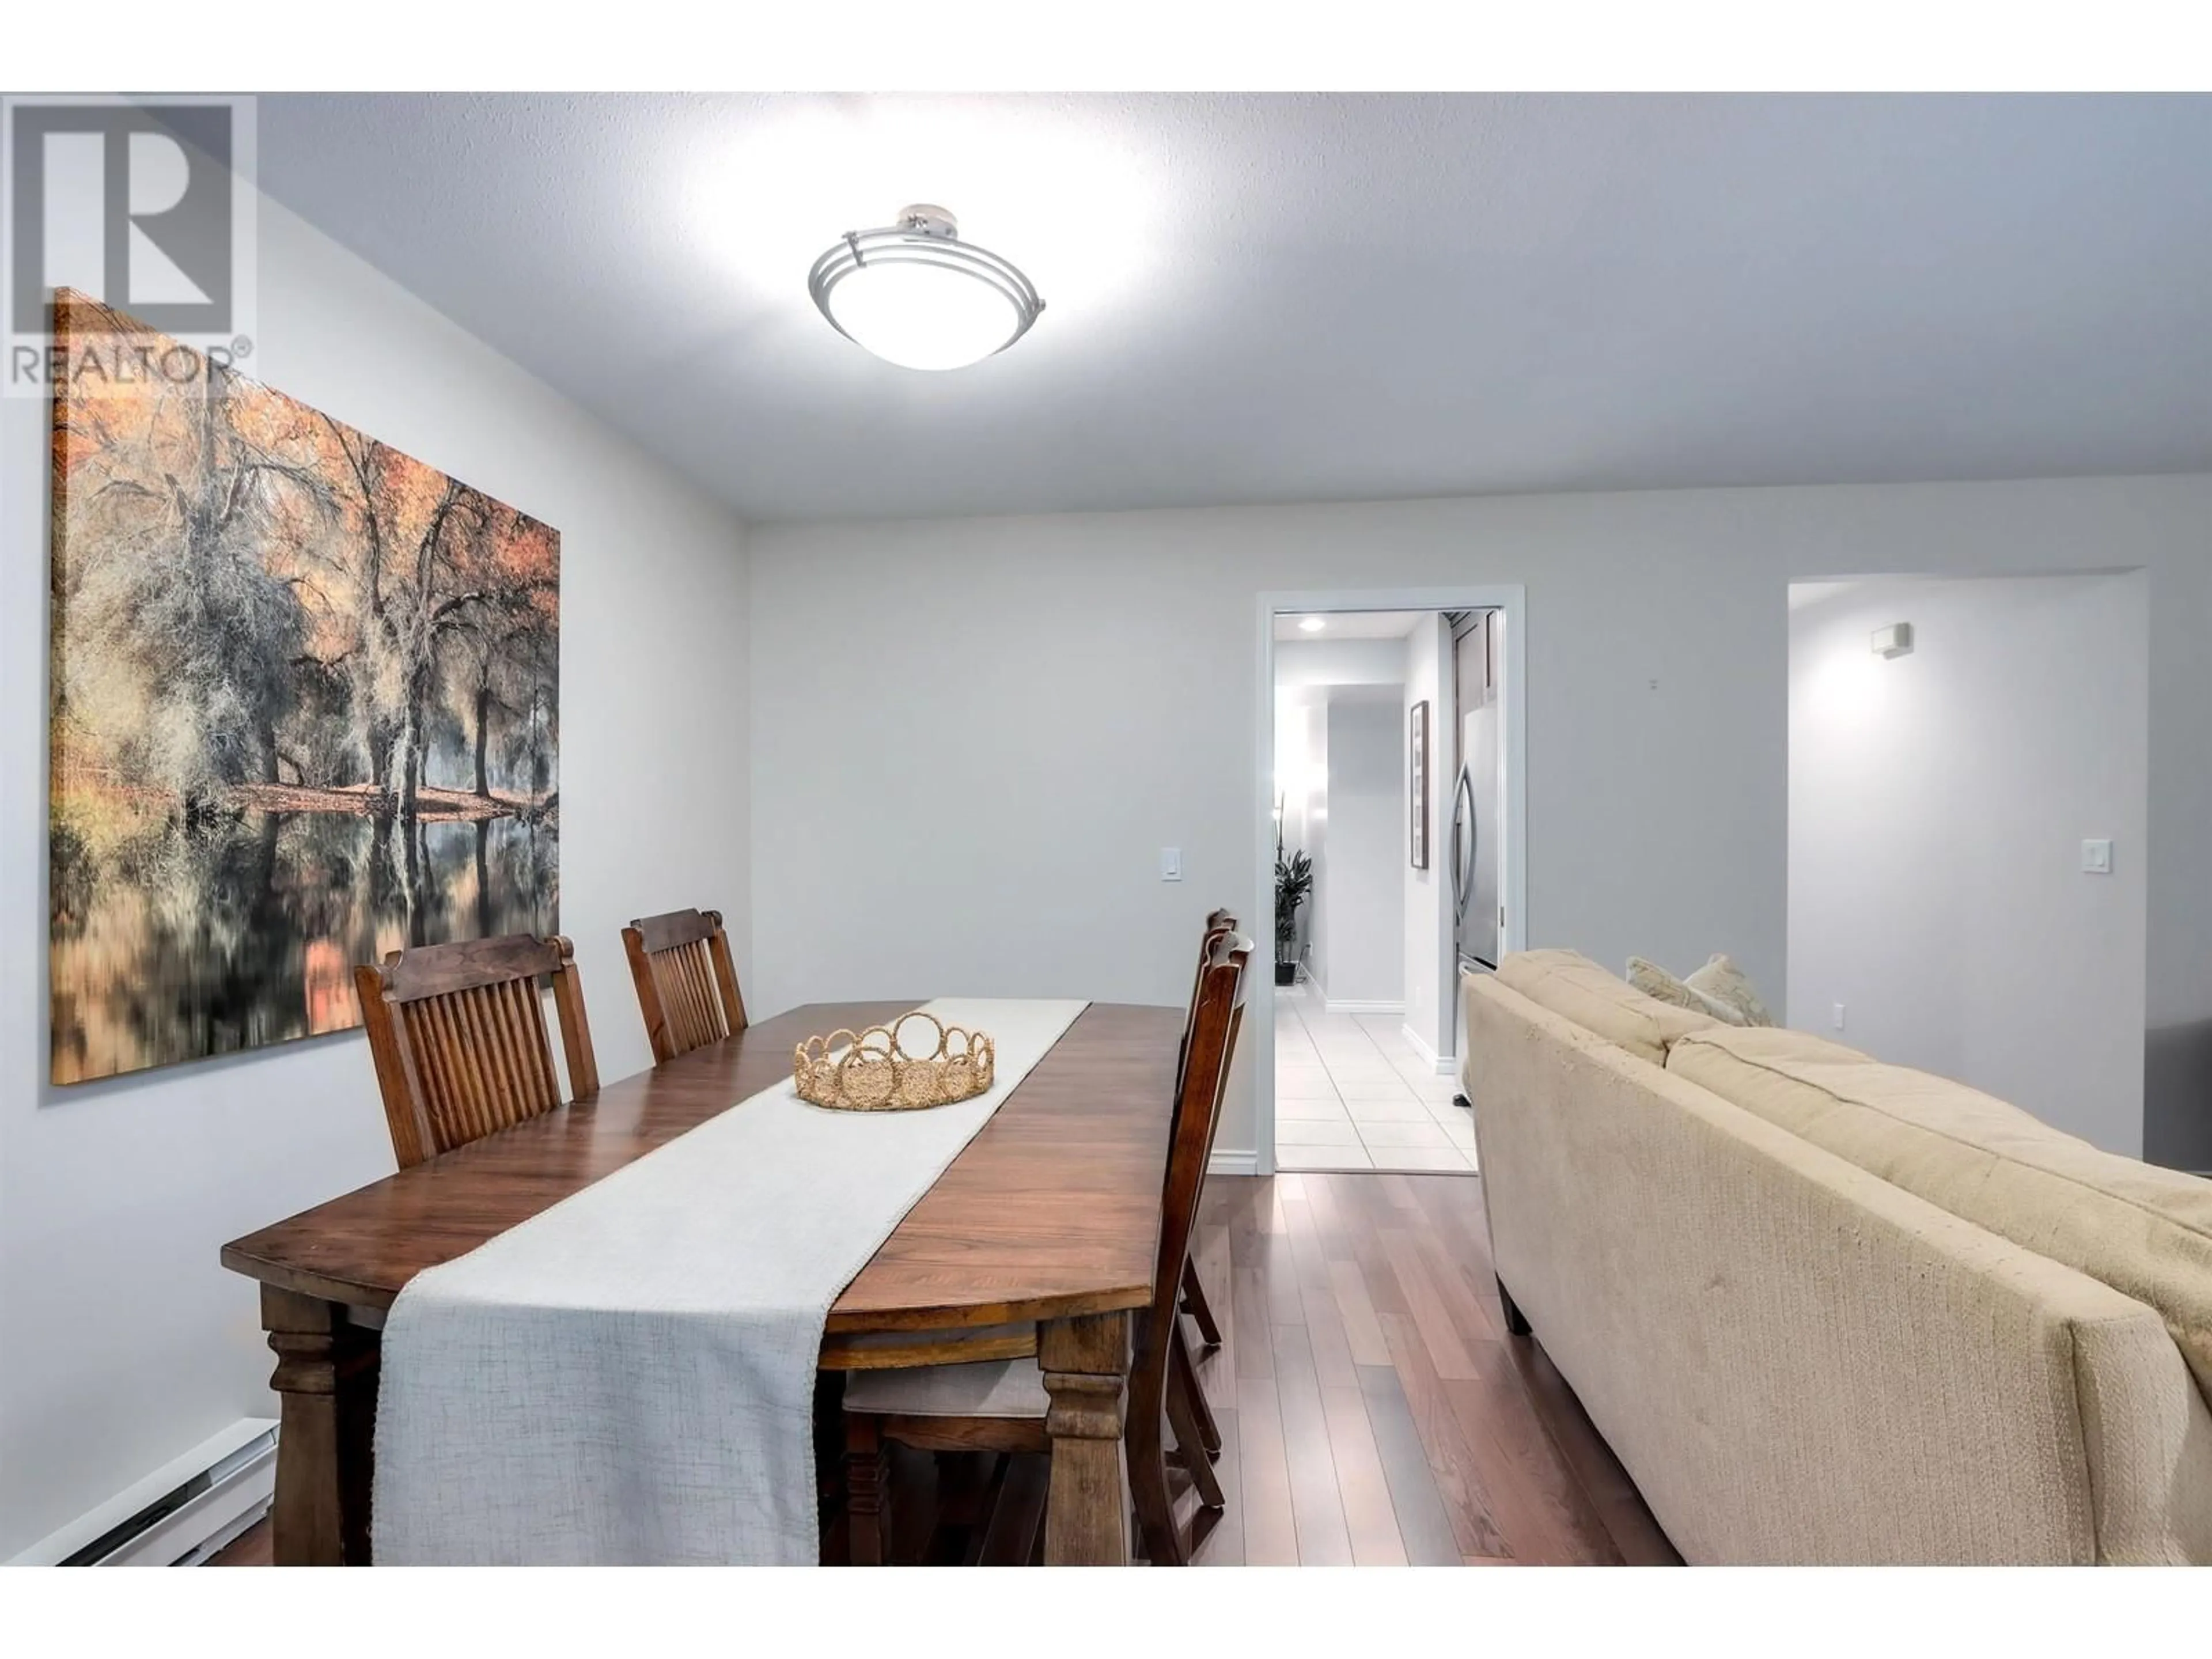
<point x="1329" y="1004"/>
<point x="1443" y="1064"/>
<point x="1233" y="1163"/>
<point x="193" y="1522"/>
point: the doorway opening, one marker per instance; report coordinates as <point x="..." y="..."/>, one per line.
<point x="1391" y="753"/>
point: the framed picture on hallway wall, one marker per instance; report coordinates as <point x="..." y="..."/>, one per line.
<point x="1420" y="790"/>
<point x="306" y="708"/>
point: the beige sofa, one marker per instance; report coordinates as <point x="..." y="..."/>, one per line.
<point x="1826" y="1309"/>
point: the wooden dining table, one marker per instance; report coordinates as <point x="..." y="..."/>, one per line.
<point x="1051" y="1214"/>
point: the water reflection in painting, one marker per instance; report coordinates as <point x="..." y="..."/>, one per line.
<point x="305" y="712"/>
<point x="231" y="936"/>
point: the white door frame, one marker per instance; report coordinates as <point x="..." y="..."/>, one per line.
<point x="1512" y="598"/>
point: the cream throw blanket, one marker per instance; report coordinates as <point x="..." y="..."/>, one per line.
<point x="629" y="1377"/>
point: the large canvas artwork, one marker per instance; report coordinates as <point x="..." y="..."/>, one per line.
<point x="305" y="708"/>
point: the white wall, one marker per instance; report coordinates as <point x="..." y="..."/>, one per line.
<point x="1430" y="957"/>
<point x="121" y="1342"/>
<point x="1339" y="662"/>
<point x="1658" y="662"/>
<point x="1938" y="802"/>
<point x="1363" y="900"/>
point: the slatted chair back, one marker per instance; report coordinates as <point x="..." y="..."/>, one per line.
<point x="458" y="1032"/>
<point x="1217" y="1018"/>
<point x="687" y="985"/>
<point x="1219" y="925"/>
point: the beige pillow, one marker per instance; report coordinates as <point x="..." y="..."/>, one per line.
<point x="1654" y="981"/>
<point x="1573" y="986"/>
<point x="2144" y="1231"/>
<point x="1721" y="980"/>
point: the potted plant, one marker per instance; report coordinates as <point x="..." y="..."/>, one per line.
<point x="1293" y="882"/>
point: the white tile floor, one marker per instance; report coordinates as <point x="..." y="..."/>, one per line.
<point x="1351" y="1094"/>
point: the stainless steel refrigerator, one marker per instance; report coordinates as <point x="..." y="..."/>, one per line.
<point x="1478" y="645"/>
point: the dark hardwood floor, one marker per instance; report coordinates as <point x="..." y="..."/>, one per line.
<point x="1372" y="1408"/>
<point x="249" y="1549"/>
<point x="1375" y="1410"/>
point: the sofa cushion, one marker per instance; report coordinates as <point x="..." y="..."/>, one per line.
<point x="1768" y="1043"/>
<point x="1573" y="987"/>
<point x="2143" y="1231"/>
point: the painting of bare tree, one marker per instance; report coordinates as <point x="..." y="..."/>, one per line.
<point x="305" y="708"/>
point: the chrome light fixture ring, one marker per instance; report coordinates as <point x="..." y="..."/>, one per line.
<point x="924" y="235"/>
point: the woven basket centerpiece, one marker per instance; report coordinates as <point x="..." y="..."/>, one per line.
<point x="874" y="1071"/>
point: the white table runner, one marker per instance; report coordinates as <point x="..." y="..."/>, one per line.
<point x="628" y="1377"/>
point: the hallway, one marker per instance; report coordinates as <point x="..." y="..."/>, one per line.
<point x="1351" y="1093"/>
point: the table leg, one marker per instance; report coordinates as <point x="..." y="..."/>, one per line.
<point x="1086" y="1363"/>
<point x="326" y="1373"/>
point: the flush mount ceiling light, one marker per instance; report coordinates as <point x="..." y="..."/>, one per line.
<point x="1312" y="624"/>
<point x="916" y="296"/>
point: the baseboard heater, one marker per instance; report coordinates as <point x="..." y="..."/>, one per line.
<point x="181" y="1514"/>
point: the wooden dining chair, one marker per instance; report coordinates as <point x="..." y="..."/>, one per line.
<point x="1194" y="1301"/>
<point x="1001" y="1405"/>
<point x="457" y="1033"/>
<point x="687" y="986"/>
<point x="1218" y="923"/>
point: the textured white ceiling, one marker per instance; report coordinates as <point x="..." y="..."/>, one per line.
<point x="1302" y="297"/>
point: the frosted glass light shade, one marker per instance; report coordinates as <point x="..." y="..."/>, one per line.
<point x="923" y="316"/>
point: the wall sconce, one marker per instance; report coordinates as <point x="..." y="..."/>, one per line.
<point x="1894" y="641"/>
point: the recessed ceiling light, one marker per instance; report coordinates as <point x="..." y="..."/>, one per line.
<point x="916" y="296"/>
<point x="1312" y="624"/>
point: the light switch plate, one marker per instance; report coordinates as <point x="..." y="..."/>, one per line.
<point x="1170" y="863"/>
<point x="2097" y="857"/>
